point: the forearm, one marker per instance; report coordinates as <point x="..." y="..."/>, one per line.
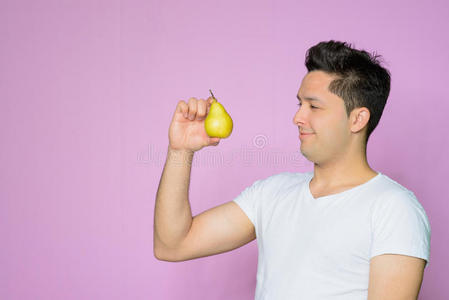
<point x="172" y="213"/>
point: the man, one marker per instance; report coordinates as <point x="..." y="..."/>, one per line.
<point x="343" y="231"/>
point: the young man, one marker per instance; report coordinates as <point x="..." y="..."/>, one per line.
<point x="343" y="231"/>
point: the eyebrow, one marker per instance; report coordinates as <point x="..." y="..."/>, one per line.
<point x="309" y="98"/>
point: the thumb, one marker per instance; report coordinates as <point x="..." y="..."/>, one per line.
<point x="214" y="141"/>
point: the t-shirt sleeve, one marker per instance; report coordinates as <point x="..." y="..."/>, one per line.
<point x="400" y="226"/>
<point x="249" y="199"/>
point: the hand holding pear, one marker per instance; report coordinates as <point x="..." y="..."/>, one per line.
<point x="187" y="130"/>
<point x="218" y="122"/>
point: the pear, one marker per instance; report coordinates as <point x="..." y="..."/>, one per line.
<point x="218" y="122"/>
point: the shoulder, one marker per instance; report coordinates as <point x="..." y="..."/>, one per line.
<point x="389" y="185"/>
<point x="390" y="190"/>
<point x="284" y="179"/>
<point x="399" y="223"/>
<point x="279" y="182"/>
<point x="393" y="198"/>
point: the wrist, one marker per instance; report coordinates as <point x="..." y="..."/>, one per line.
<point x="180" y="156"/>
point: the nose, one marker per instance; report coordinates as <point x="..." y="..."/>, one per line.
<point x="300" y="117"/>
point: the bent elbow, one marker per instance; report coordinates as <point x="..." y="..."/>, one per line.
<point x="164" y="255"/>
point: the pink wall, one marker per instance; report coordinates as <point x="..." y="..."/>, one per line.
<point x="87" y="91"/>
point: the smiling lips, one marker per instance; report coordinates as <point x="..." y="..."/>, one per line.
<point x="304" y="134"/>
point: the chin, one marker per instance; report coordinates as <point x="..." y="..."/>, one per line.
<point x="305" y="154"/>
<point x="309" y="156"/>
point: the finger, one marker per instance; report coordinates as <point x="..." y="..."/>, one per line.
<point x="214" y="141"/>
<point x="183" y="108"/>
<point x="202" y="109"/>
<point x="192" y="108"/>
<point x="209" y="102"/>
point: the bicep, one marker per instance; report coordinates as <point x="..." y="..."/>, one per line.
<point x="217" y="230"/>
<point x="394" y="276"/>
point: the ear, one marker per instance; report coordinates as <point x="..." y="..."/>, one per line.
<point x="359" y="118"/>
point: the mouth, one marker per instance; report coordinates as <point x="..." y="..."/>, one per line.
<point x="305" y="134"/>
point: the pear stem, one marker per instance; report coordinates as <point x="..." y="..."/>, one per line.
<point x="212" y="94"/>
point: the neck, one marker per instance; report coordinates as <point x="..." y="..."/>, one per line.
<point x="351" y="169"/>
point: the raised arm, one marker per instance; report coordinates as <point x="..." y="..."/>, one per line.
<point x="177" y="235"/>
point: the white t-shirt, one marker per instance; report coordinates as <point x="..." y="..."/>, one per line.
<point x="321" y="248"/>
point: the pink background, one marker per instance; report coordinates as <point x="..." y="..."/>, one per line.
<point x="88" y="89"/>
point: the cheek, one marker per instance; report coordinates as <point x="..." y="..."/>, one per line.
<point x="331" y="129"/>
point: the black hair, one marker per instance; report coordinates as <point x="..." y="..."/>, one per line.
<point x="361" y="80"/>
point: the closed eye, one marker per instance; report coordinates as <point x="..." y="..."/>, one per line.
<point x="313" y="107"/>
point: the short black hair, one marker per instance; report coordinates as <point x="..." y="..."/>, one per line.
<point x="361" y="80"/>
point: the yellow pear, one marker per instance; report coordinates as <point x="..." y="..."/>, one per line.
<point x="218" y="122"/>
